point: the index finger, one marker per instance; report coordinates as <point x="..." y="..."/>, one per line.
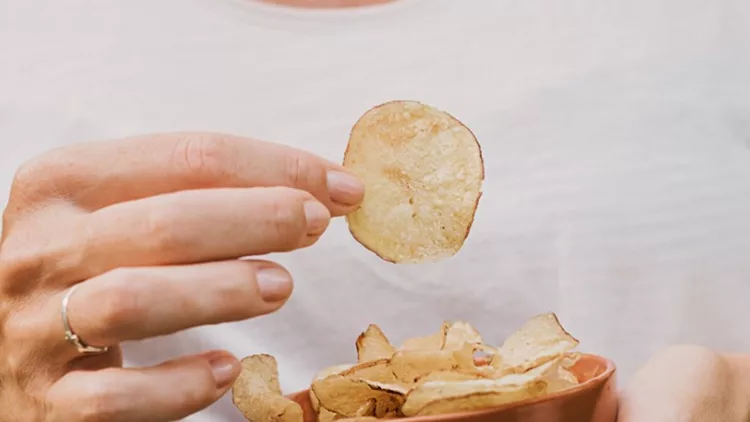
<point x="97" y="174"/>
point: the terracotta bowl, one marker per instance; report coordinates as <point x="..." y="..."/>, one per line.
<point x="594" y="400"/>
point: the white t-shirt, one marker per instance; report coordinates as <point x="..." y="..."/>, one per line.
<point x="616" y="137"/>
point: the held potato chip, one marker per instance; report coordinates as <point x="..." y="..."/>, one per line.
<point x="423" y="173"/>
<point x="372" y="344"/>
<point x="257" y="393"/>
<point x="540" y="340"/>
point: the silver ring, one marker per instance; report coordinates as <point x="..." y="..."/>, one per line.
<point x="72" y="337"/>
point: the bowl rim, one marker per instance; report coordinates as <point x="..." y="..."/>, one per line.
<point x="609" y="371"/>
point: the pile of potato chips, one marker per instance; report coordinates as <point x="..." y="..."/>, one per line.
<point x="437" y="374"/>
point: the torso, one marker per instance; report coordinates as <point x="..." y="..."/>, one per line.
<point x="616" y="142"/>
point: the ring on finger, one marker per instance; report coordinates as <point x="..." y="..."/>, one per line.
<point x="70" y="336"/>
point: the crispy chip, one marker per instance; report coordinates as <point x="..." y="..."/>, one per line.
<point x="367" y="409"/>
<point x="450" y="376"/>
<point x="257" y="393"/>
<point x="423" y="173"/>
<point x="372" y="345"/>
<point x="460" y="333"/>
<point x="319" y="376"/>
<point x="376" y="370"/>
<point x="481" y="400"/>
<point x="346" y="395"/>
<point x="446" y="397"/>
<point x="432" y="342"/>
<point x="540" y="340"/>
<point x="409" y="365"/>
<point x="325" y="415"/>
<point x="563" y="377"/>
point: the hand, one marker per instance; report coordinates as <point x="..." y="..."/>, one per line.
<point x="149" y="230"/>
<point x="688" y="384"/>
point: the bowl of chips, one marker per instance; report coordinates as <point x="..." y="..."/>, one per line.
<point x="536" y="375"/>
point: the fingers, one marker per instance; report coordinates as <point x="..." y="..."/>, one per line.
<point x="180" y="228"/>
<point x="95" y="175"/>
<point x="167" y="392"/>
<point x="136" y="303"/>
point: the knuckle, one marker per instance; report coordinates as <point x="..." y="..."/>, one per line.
<point x="19" y="267"/>
<point x="98" y="401"/>
<point x="288" y="223"/>
<point x="118" y="300"/>
<point x="161" y="229"/>
<point x="29" y="174"/>
<point x="19" y="329"/>
<point x="41" y="173"/>
<point x="201" y="155"/>
<point x="300" y="170"/>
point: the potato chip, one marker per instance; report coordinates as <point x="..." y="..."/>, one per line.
<point x="540" y="340"/>
<point x="478" y="401"/>
<point x="367" y="409"/>
<point x="483" y="354"/>
<point x="423" y="171"/>
<point x="372" y="345"/>
<point x="563" y="378"/>
<point x="432" y="342"/>
<point x="376" y="370"/>
<point x="409" y="365"/>
<point x="358" y="419"/>
<point x="319" y="376"/>
<point x="446" y="397"/>
<point x="450" y="376"/>
<point x="257" y="393"/>
<point x="325" y="415"/>
<point x="460" y="333"/>
<point x="559" y="378"/>
<point x="346" y="395"/>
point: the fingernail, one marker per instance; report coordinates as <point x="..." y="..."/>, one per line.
<point x="345" y="188"/>
<point x="274" y="284"/>
<point x="317" y="216"/>
<point x="224" y="369"/>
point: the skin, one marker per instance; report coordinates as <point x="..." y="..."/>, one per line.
<point x="134" y="224"/>
<point x="687" y="383"/>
